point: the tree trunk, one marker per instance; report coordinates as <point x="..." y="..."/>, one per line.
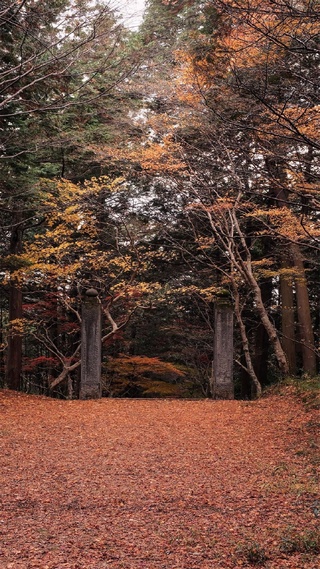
<point x="276" y="169"/>
<point x="2" y="346"/>
<point x="254" y="381"/>
<point x="240" y="258"/>
<point x="245" y="267"/>
<point x="288" y="317"/>
<point x="270" y="329"/>
<point x="309" y="360"/>
<point x="14" y="350"/>
<point x="261" y="339"/>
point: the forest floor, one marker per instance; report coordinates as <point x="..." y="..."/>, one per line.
<point x="158" y="484"/>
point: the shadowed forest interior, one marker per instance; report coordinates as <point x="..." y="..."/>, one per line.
<point x="168" y="166"/>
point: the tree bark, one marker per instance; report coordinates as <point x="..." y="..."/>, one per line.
<point x="309" y="359"/>
<point x="288" y="317"/>
<point x="270" y="329"/>
<point x="14" y="350"/>
<point x="255" y="385"/>
<point x="261" y="340"/>
<point x="245" y="267"/>
<point x="242" y="262"/>
<point x="276" y="169"/>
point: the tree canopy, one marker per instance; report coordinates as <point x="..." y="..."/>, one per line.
<point x="166" y="167"/>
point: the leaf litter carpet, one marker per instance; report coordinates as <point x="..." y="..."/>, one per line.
<point x="157" y="484"/>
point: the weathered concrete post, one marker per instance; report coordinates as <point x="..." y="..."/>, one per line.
<point x="222" y="385"/>
<point x="90" y="387"/>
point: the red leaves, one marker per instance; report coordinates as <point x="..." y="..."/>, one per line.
<point x="31" y="364"/>
<point x="134" y="484"/>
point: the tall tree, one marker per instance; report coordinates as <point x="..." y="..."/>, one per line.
<point x="60" y="61"/>
<point x="242" y="96"/>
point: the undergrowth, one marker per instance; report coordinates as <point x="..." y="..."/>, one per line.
<point x="307" y="542"/>
<point x="306" y="388"/>
<point x="253" y="553"/>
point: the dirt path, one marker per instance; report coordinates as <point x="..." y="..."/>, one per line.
<point x="136" y="484"/>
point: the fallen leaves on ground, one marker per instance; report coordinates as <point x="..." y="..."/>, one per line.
<point x="157" y="484"/>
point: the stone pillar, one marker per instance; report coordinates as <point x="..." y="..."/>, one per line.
<point x="222" y="384"/>
<point x="90" y="386"/>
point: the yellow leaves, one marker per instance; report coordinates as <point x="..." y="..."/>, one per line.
<point x="262" y="262"/>
<point x="145" y="288"/>
<point x="95" y="185"/>
<point x="65" y="210"/>
<point x="290" y="273"/>
<point x="209" y="293"/>
<point x="121" y="264"/>
<point x="16" y="326"/>
<point x="68" y="241"/>
<point x="139" y="289"/>
<point x="307" y="189"/>
<point x="150" y="257"/>
<point x="136" y="366"/>
<point x="281" y="220"/>
<point x="219" y="207"/>
<point x="262" y="268"/>
<point x="154" y="158"/>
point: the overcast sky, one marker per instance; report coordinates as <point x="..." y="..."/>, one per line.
<point x="132" y="11"/>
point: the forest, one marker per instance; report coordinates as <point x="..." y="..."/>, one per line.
<point x="168" y="167"/>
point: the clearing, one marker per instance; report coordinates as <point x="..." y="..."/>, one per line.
<point x="150" y="484"/>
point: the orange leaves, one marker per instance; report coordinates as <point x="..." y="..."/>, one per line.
<point x="17" y="326"/>
<point x="304" y="119"/>
<point x="263" y="31"/>
<point x="219" y="206"/>
<point x="192" y="78"/>
<point x="264" y="268"/>
<point x="140" y="365"/>
<point x="285" y="223"/>
<point x="159" y="484"/>
<point x="154" y="158"/>
<point x="161" y="157"/>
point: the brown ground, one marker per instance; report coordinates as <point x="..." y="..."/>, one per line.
<point x="150" y="484"/>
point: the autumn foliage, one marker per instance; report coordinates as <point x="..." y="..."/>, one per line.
<point x="163" y="167"/>
<point x="163" y="484"/>
<point x="140" y="376"/>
